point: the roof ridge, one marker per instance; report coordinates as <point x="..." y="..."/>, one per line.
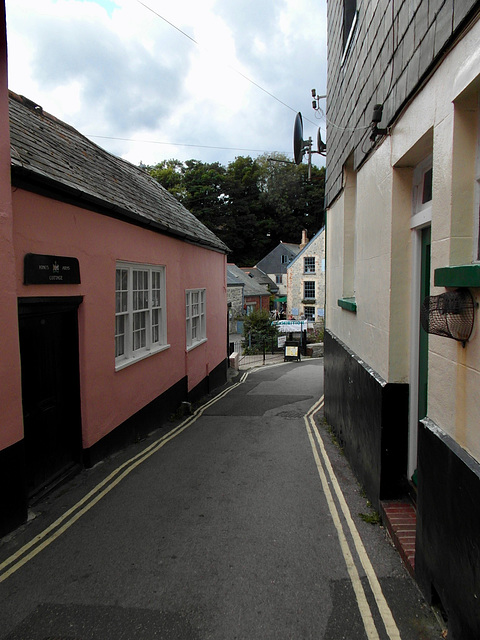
<point x="47" y="153"/>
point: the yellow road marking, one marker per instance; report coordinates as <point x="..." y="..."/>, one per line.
<point x="56" y="529"/>
<point x="384" y="609"/>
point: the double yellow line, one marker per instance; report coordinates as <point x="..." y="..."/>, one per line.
<point x="326" y="473"/>
<point x="65" y="521"/>
<point x="328" y="478"/>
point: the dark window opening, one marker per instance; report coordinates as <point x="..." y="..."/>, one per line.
<point x="309" y="290"/>
<point x="349" y="13"/>
<point x="427" y="186"/>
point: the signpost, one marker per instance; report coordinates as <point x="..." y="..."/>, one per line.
<point x="292" y="351"/>
<point x="292" y="326"/>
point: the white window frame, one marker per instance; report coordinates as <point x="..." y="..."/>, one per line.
<point x="140" y="312"/>
<point x="309" y="282"/>
<point x="421" y="211"/>
<point x="195" y="317"/>
<point x="309" y="315"/>
<point x="309" y="269"/>
<point x="421" y="217"/>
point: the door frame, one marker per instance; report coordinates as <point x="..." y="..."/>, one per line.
<point x="54" y="305"/>
<point x="420" y="220"/>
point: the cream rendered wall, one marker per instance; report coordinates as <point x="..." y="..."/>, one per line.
<point x="366" y="332"/>
<point x="449" y="105"/>
<point x="378" y="332"/>
<point x="336" y="319"/>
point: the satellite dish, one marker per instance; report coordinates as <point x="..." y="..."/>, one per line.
<point x="321" y="146"/>
<point x="298" y="139"/>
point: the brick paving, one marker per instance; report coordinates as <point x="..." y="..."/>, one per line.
<point x="400" y="518"/>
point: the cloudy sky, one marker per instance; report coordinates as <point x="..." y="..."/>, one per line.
<point x="150" y="80"/>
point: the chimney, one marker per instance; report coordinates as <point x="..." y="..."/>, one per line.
<point x="304" y="239"/>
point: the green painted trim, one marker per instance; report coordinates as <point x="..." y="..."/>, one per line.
<point x="466" y="275"/>
<point x="348" y="304"/>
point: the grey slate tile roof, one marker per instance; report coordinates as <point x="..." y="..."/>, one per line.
<point x="235" y="276"/>
<point x="261" y="278"/>
<point x="50" y="156"/>
<point x="272" y="262"/>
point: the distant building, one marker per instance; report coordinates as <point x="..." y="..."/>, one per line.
<point x="403" y="220"/>
<point x="262" y="279"/>
<point x="306" y="281"/>
<point x="275" y="264"/>
<point x="244" y="295"/>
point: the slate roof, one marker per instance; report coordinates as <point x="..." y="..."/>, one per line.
<point x="261" y="278"/>
<point x="235" y="276"/>
<point x="272" y="262"/>
<point x="50" y="157"/>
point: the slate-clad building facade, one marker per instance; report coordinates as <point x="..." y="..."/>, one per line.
<point x="403" y="228"/>
<point x="275" y="264"/>
<point x="113" y="303"/>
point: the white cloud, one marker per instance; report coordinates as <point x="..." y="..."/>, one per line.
<point x="114" y="68"/>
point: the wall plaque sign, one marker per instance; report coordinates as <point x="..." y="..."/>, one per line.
<point x="39" y="269"/>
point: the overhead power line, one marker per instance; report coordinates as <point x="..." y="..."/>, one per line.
<point x="183" y="144"/>
<point x="245" y="77"/>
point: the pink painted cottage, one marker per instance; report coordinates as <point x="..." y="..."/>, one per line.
<point x="113" y="302"/>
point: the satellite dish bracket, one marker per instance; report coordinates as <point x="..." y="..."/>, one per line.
<point x="302" y="147"/>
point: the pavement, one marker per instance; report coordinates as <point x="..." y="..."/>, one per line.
<point x="240" y="522"/>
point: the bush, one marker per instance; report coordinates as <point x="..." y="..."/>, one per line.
<point x="316" y="335"/>
<point x="259" y="323"/>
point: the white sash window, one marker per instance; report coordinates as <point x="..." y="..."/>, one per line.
<point x="140" y="318"/>
<point x="195" y="317"/>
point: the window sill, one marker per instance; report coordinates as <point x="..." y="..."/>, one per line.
<point x="122" y="364"/>
<point x="196" y="344"/>
<point x="349" y="304"/>
<point x="467" y="275"/>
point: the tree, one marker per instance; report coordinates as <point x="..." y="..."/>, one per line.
<point x="251" y="204"/>
<point x="291" y="202"/>
<point x="258" y="331"/>
<point x="259" y="323"/>
<point x="169" y="173"/>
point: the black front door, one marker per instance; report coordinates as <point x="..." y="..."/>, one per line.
<point x="50" y="388"/>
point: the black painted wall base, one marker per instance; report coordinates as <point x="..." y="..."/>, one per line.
<point x="13" y="493"/>
<point x="215" y="379"/>
<point x="447" y="553"/>
<point x="13" y="488"/>
<point x="370" y="419"/>
<point x="139" y="425"/>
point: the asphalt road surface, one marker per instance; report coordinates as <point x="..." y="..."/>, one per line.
<point x="240" y="522"/>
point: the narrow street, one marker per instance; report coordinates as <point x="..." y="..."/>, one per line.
<point x="240" y="522"/>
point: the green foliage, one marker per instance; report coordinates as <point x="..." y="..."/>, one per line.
<point x="316" y="335"/>
<point x="251" y="204"/>
<point x="371" y="518"/>
<point x="259" y="323"/>
<point x="169" y="174"/>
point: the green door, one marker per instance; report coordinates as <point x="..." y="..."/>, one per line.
<point x="423" y="355"/>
